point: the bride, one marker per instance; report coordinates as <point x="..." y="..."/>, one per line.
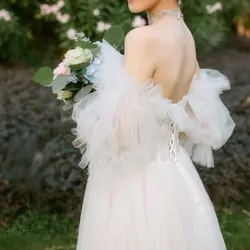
<point x="154" y="112"/>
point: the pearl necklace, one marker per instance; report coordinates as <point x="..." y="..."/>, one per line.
<point x="172" y="12"/>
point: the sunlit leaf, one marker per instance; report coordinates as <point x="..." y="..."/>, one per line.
<point x="86" y="45"/>
<point x="115" y="36"/>
<point x="43" y="76"/>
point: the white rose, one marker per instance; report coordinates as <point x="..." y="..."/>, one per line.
<point x="77" y="56"/>
<point x="64" y="94"/>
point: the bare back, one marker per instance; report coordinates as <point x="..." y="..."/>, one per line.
<point x="168" y="56"/>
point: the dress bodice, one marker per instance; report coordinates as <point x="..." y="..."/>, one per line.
<point x="131" y="121"/>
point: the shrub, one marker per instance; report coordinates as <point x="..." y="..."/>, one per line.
<point x="42" y="29"/>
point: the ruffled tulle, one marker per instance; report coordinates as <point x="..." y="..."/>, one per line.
<point x="128" y="121"/>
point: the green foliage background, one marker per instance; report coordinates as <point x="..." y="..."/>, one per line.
<point x="32" y="38"/>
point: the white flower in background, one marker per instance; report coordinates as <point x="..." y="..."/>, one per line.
<point x="5" y="15"/>
<point x="102" y="26"/>
<point x="96" y="12"/>
<point x="47" y="9"/>
<point x="214" y="8"/>
<point x="64" y="94"/>
<point x="62" y="18"/>
<point x="77" y="56"/>
<point x="138" y="21"/>
<point x="60" y="3"/>
<point x="71" y="33"/>
<point x="107" y="26"/>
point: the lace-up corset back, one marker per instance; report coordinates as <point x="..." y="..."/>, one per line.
<point x="170" y="139"/>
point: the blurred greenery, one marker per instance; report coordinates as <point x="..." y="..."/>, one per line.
<point x="38" y="30"/>
<point x="43" y="231"/>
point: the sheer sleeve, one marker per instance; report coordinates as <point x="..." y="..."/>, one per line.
<point x="121" y="117"/>
<point x="212" y="124"/>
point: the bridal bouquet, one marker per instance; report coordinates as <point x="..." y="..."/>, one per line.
<point x="74" y="78"/>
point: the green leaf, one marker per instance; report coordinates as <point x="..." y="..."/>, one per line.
<point x="86" y="45"/>
<point x="59" y="83"/>
<point x="79" y="66"/>
<point x="115" y="36"/>
<point x="95" y="51"/>
<point x="43" y="76"/>
<point x="83" y="92"/>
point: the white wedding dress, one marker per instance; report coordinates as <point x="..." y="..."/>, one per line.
<point x="143" y="191"/>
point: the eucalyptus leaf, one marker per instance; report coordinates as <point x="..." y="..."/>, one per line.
<point x="83" y="92"/>
<point x="43" y="76"/>
<point x="86" y="45"/>
<point x="115" y="36"/>
<point x="59" y="83"/>
<point x="68" y="106"/>
<point x="80" y="66"/>
<point x="95" y="51"/>
<point x="72" y="78"/>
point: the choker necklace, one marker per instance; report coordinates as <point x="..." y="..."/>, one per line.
<point x="172" y="12"/>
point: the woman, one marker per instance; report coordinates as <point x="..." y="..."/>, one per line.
<point x="154" y="110"/>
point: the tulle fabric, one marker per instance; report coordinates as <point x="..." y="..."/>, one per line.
<point x="126" y="118"/>
<point x="143" y="192"/>
<point x="162" y="206"/>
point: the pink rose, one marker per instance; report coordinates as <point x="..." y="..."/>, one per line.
<point x="61" y="70"/>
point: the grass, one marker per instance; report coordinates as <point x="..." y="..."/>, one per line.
<point x="33" y="230"/>
<point x="236" y="229"/>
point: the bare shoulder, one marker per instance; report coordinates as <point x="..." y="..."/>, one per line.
<point x="152" y="38"/>
<point x="138" y="52"/>
<point x="138" y="37"/>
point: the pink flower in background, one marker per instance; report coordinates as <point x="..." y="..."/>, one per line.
<point x="54" y="9"/>
<point x="102" y="26"/>
<point x="45" y="9"/>
<point x="5" y="15"/>
<point x="61" y="70"/>
<point x="71" y="33"/>
<point x="138" y="21"/>
<point x="62" y="18"/>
